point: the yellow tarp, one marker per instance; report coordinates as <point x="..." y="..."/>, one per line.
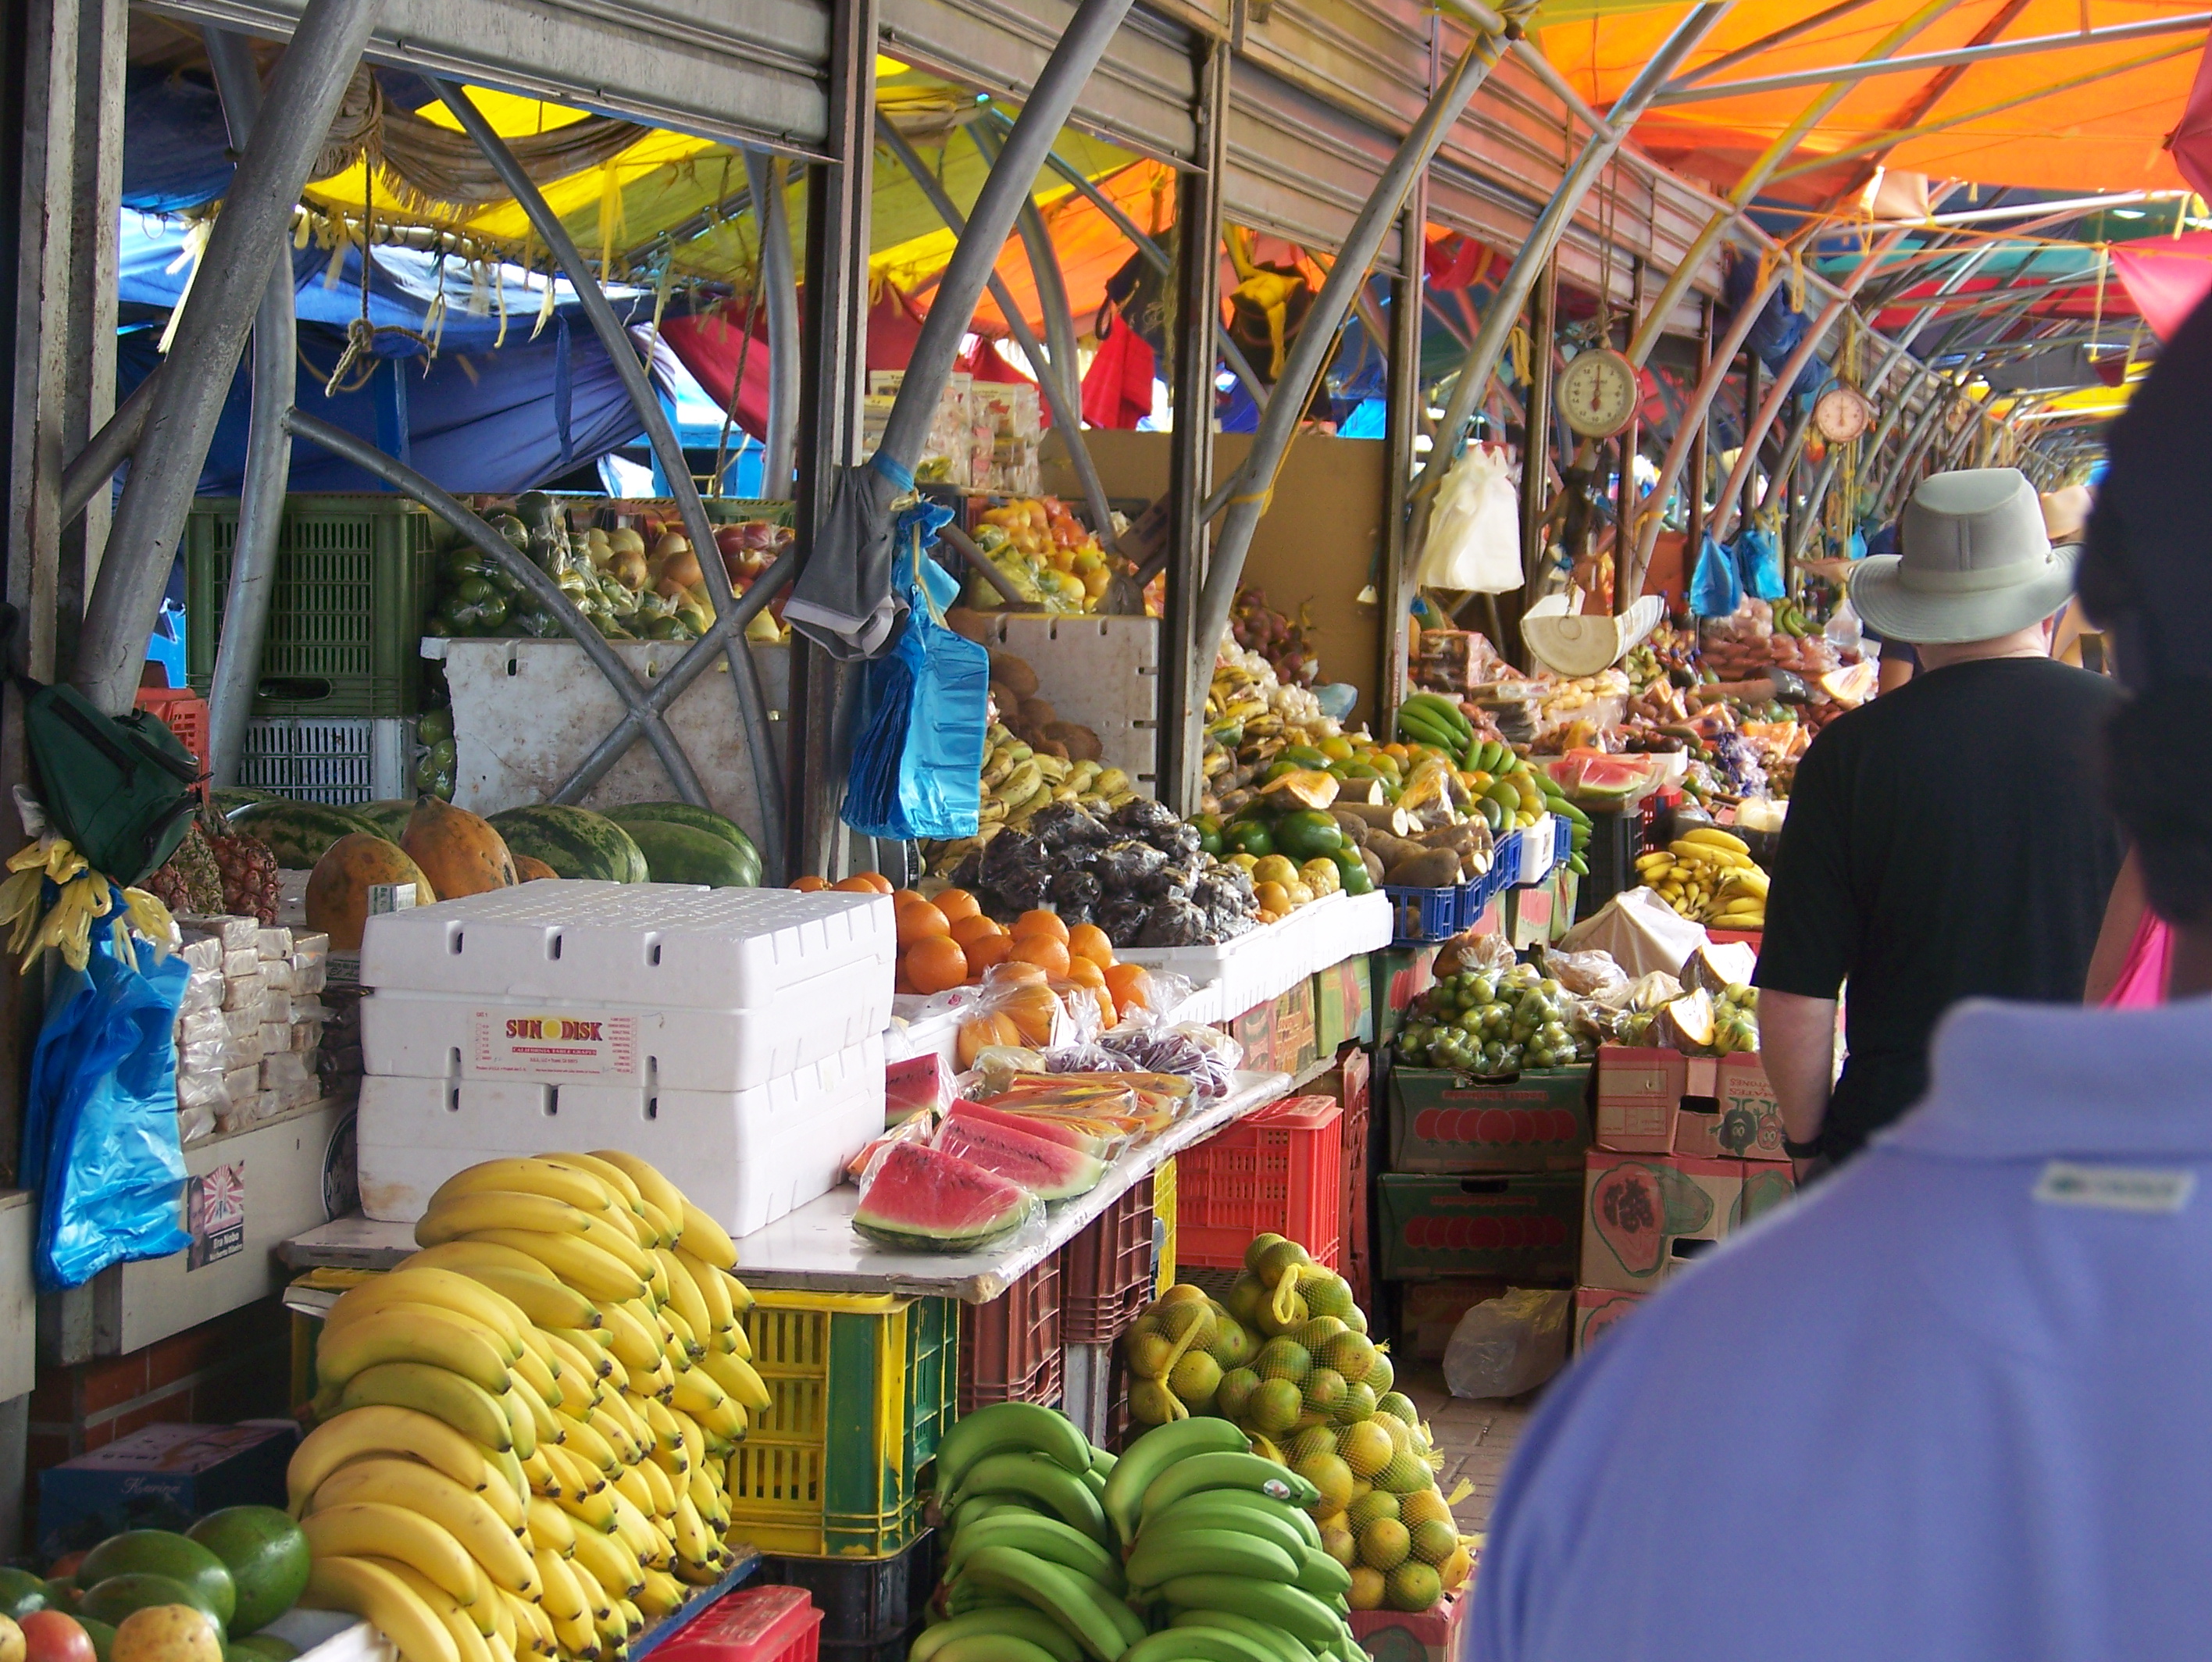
<point x="2106" y="136"/>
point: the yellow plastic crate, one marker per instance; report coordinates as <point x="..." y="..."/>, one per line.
<point x="1163" y="1223"/>
<point x="863" y="1387"/>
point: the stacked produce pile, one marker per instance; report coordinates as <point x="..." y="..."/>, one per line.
<point x="1187" y="1548"/>
<point x="1251" y="716"/>
<point x="1044" y="554"/>
<point x="947" y="941"/>
<point x="1708" y="875"/>
<point x="1782" y="635"/>
<point x="633" y="583"/>
<point x="154" y="1595"/>
<point x="1484" y="1023"/>
<point x="219" y="868"/>
<point x="249" y="1025"/>
<point x="524" y="1428"/>
<point x="1699" y="1022"/>
<point x="1285" y="1357"/>
<point x="1256" y="627"/>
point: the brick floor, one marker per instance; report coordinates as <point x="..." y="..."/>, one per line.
<point x="1475" y="1437"/>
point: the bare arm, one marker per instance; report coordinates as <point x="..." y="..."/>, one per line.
<point x="1797" y="1044"/>
<point x="2123" y="913"/>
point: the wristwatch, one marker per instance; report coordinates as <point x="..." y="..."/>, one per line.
<point x="1801" y="1150"/>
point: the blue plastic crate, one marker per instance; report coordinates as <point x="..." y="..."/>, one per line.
<point x="1419" y="916"/>
<point x="1563" y="839"/>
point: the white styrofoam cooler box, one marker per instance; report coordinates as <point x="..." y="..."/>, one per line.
<point x="445" y="1036"/>
<point x="747" y="1157"/>
<point x="650" y="945"/>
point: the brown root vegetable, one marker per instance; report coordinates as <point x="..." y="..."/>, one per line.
<point x="681" y="567"/>
<point x="1038" y="713"/>
<point x="1080" y="743"/>
<point x="1015" y="672"/>
<point x="1433" y="868"/>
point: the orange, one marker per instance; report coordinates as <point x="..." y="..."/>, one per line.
<point x="1131" y="987"/>
<point x="973" y="927"/>
<point x="856" y="886"/>
<point x="1041" y="922"/>
<point x="1042" y="950"/>
<point x="980" y="1031"/>
<point x="901" y="896"/>
<point x="1018" y="973"/>
<point x="1031" y="1009"/>
<point x="958" y="903"/>
<point x="934" y="963"/>
<point x="919" y="920"/>
<point x="1089" y="941"/>
<point x="875" y="880"/>
<point x="1083" y="972"/>
<point x="810" y="885"/>
<point x="984" y="951"/>
<point x="1273" y="897"/>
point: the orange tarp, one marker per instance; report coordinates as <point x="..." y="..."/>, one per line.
<point x="2106" y="135"/>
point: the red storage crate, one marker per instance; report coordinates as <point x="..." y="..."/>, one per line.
<point x="1010" y="1347"/>
<point x="1280" y="1169"/>
<point x="754" y="1624"/>
<point x="184" y="712"/>
<point x="1106" y="1271"/>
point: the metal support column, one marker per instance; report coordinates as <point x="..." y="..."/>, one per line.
<point x="1401" y="424"/>
<point x="779" y="281"/>
<point x="96" y="195"/>
<point x="1701" y="426"/>
<point x="1186" y="669"/>
<point x="1536" y="426"/>
<point x="834" y="358"/>
<point x="268" y="451"/>
<point x="252" y="232"/>
<point x="1624" y="508"/>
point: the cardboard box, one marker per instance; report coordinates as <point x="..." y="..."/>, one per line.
<point x="1432" y="1636"/>
<point x="1429" y="1310"/>
<point x="1751" y="1119"/>
<point x="1569" y="885"/>
<point x="1637" y="1206"/>
<point x="1529" y="914"/>
<point x="1698" y="1129"/>
<point x="161" y="1477"/>
<point x="1639" y="1090"/>
<point x="1280" y="1037"/>
<point x="1398" y="976"/>
<point x="1344" y="1005"/>
<point x="1521" y="1227"/>
<point x="1491" y="920"/>
<point x="1596" y="1309"/>
<point x="1766" y="1186"/>
<point x="1441" y="1121"/>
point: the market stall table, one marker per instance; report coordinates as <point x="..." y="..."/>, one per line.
<point x="815" y="1248"/>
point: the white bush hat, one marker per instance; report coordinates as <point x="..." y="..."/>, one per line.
<point x="1974" y="562"/>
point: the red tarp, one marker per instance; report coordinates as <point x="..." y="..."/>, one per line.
<point x="2165" y="277"/>
<point x="708" y="345"/>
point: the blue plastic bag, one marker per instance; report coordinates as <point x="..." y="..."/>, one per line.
<point x="100" y="1137"/>
<point x="1758" y="563"/>
<point x="918" y="759"/>
<point x="1714" y="589"/>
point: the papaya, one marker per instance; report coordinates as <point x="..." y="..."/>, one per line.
<point x="458" y="852"/>
<point x="338" y="889"/>
<point x="528" y="868"/>
<point x="1627" y="1210"/>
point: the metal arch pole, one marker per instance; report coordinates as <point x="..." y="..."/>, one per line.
<point x="744" y="673"/>
<point x="1520" y="281"/>
<point x="543" y="589"/>
<point x="1076" y="53"/>
<point x="92" y="468"/>
<point x="267" y="452"/>
<point x="1908" y="454"/>
<point x="779" y="280"/>
<point x="1346" y="277"/>
<point x="1066" y="416"/>
<point x="1693" y="419"/>
<point x="1231" y="353"/>
<point x="1755" y="176"/>
<point x="1045" y="273"/>
<point x="251" y="235"/>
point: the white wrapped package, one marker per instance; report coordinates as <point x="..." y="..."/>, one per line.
<point x="1640" y="931"/>
<point x="241" y="960"/>
<point x="246" y="992"/>
<point x="201" y="1027"/>
<point x="236" y="934"/>
<point x="204" y="953"/>
<point x="273" y="942"/>
<point x="203" y="990"/>
<point x="276" y="1006"/>
<point x="276" y="974"/>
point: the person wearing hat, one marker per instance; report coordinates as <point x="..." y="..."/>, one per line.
<point x="1947" y="839"/>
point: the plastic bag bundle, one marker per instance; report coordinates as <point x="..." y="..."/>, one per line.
<point x="1716" y="586"/>
<point x="1473" y="542"/>
<point x="1505" y="1346"/>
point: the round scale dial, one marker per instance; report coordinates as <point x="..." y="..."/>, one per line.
<point x="1841" y="413"/>
<point x="1598" y="392"/>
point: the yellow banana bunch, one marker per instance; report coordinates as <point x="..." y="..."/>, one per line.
<point x="487" y="1488"/>
<point x="1708" y="875"/>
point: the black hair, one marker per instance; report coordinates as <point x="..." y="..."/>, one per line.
<point x="2161" y="804"/>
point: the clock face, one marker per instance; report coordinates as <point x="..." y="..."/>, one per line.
<point x="1841" y="413"/>
<point x="1597" y="392"/>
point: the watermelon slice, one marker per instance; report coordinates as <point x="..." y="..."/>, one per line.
<point x="1587" y="775"/>
<point x="922" y="1199"/>
<point x="1052" y="1131"/>
<point x="1051" y="1171"/>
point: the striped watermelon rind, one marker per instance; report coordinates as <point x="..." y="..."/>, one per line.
<point x="389" y="815"/>
<point x="299" y="833"/>
<point x="679" y="854"/>
<point x="574" y="841"/>
<point x="745" y="874"/>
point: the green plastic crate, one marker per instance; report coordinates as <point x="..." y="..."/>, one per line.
<point x="862" y="1387"/>
<point x="355" y="577"/>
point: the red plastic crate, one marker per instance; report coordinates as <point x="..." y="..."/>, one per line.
<point x="1106" y="1271"/>
<point x="184" y="712"/>
<point x="1010" y="1347"/>
<point x="1279" y="1170"/>
<point x="754" y="1624"/>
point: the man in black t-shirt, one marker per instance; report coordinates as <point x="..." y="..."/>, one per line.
<point x="1948" y="839"/>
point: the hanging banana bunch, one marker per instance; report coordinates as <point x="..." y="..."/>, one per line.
<point x="53" y="896"/>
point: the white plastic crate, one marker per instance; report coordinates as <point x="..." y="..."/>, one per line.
<point x="1103" y="672"/>
<point x="748" y="1157"/>
<point x="443" y="1035"/>
<point x="329" y="759"/>
<point x="660" y="946"/>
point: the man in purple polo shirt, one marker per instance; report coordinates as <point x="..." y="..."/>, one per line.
<point x="1950" y="1405"/>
